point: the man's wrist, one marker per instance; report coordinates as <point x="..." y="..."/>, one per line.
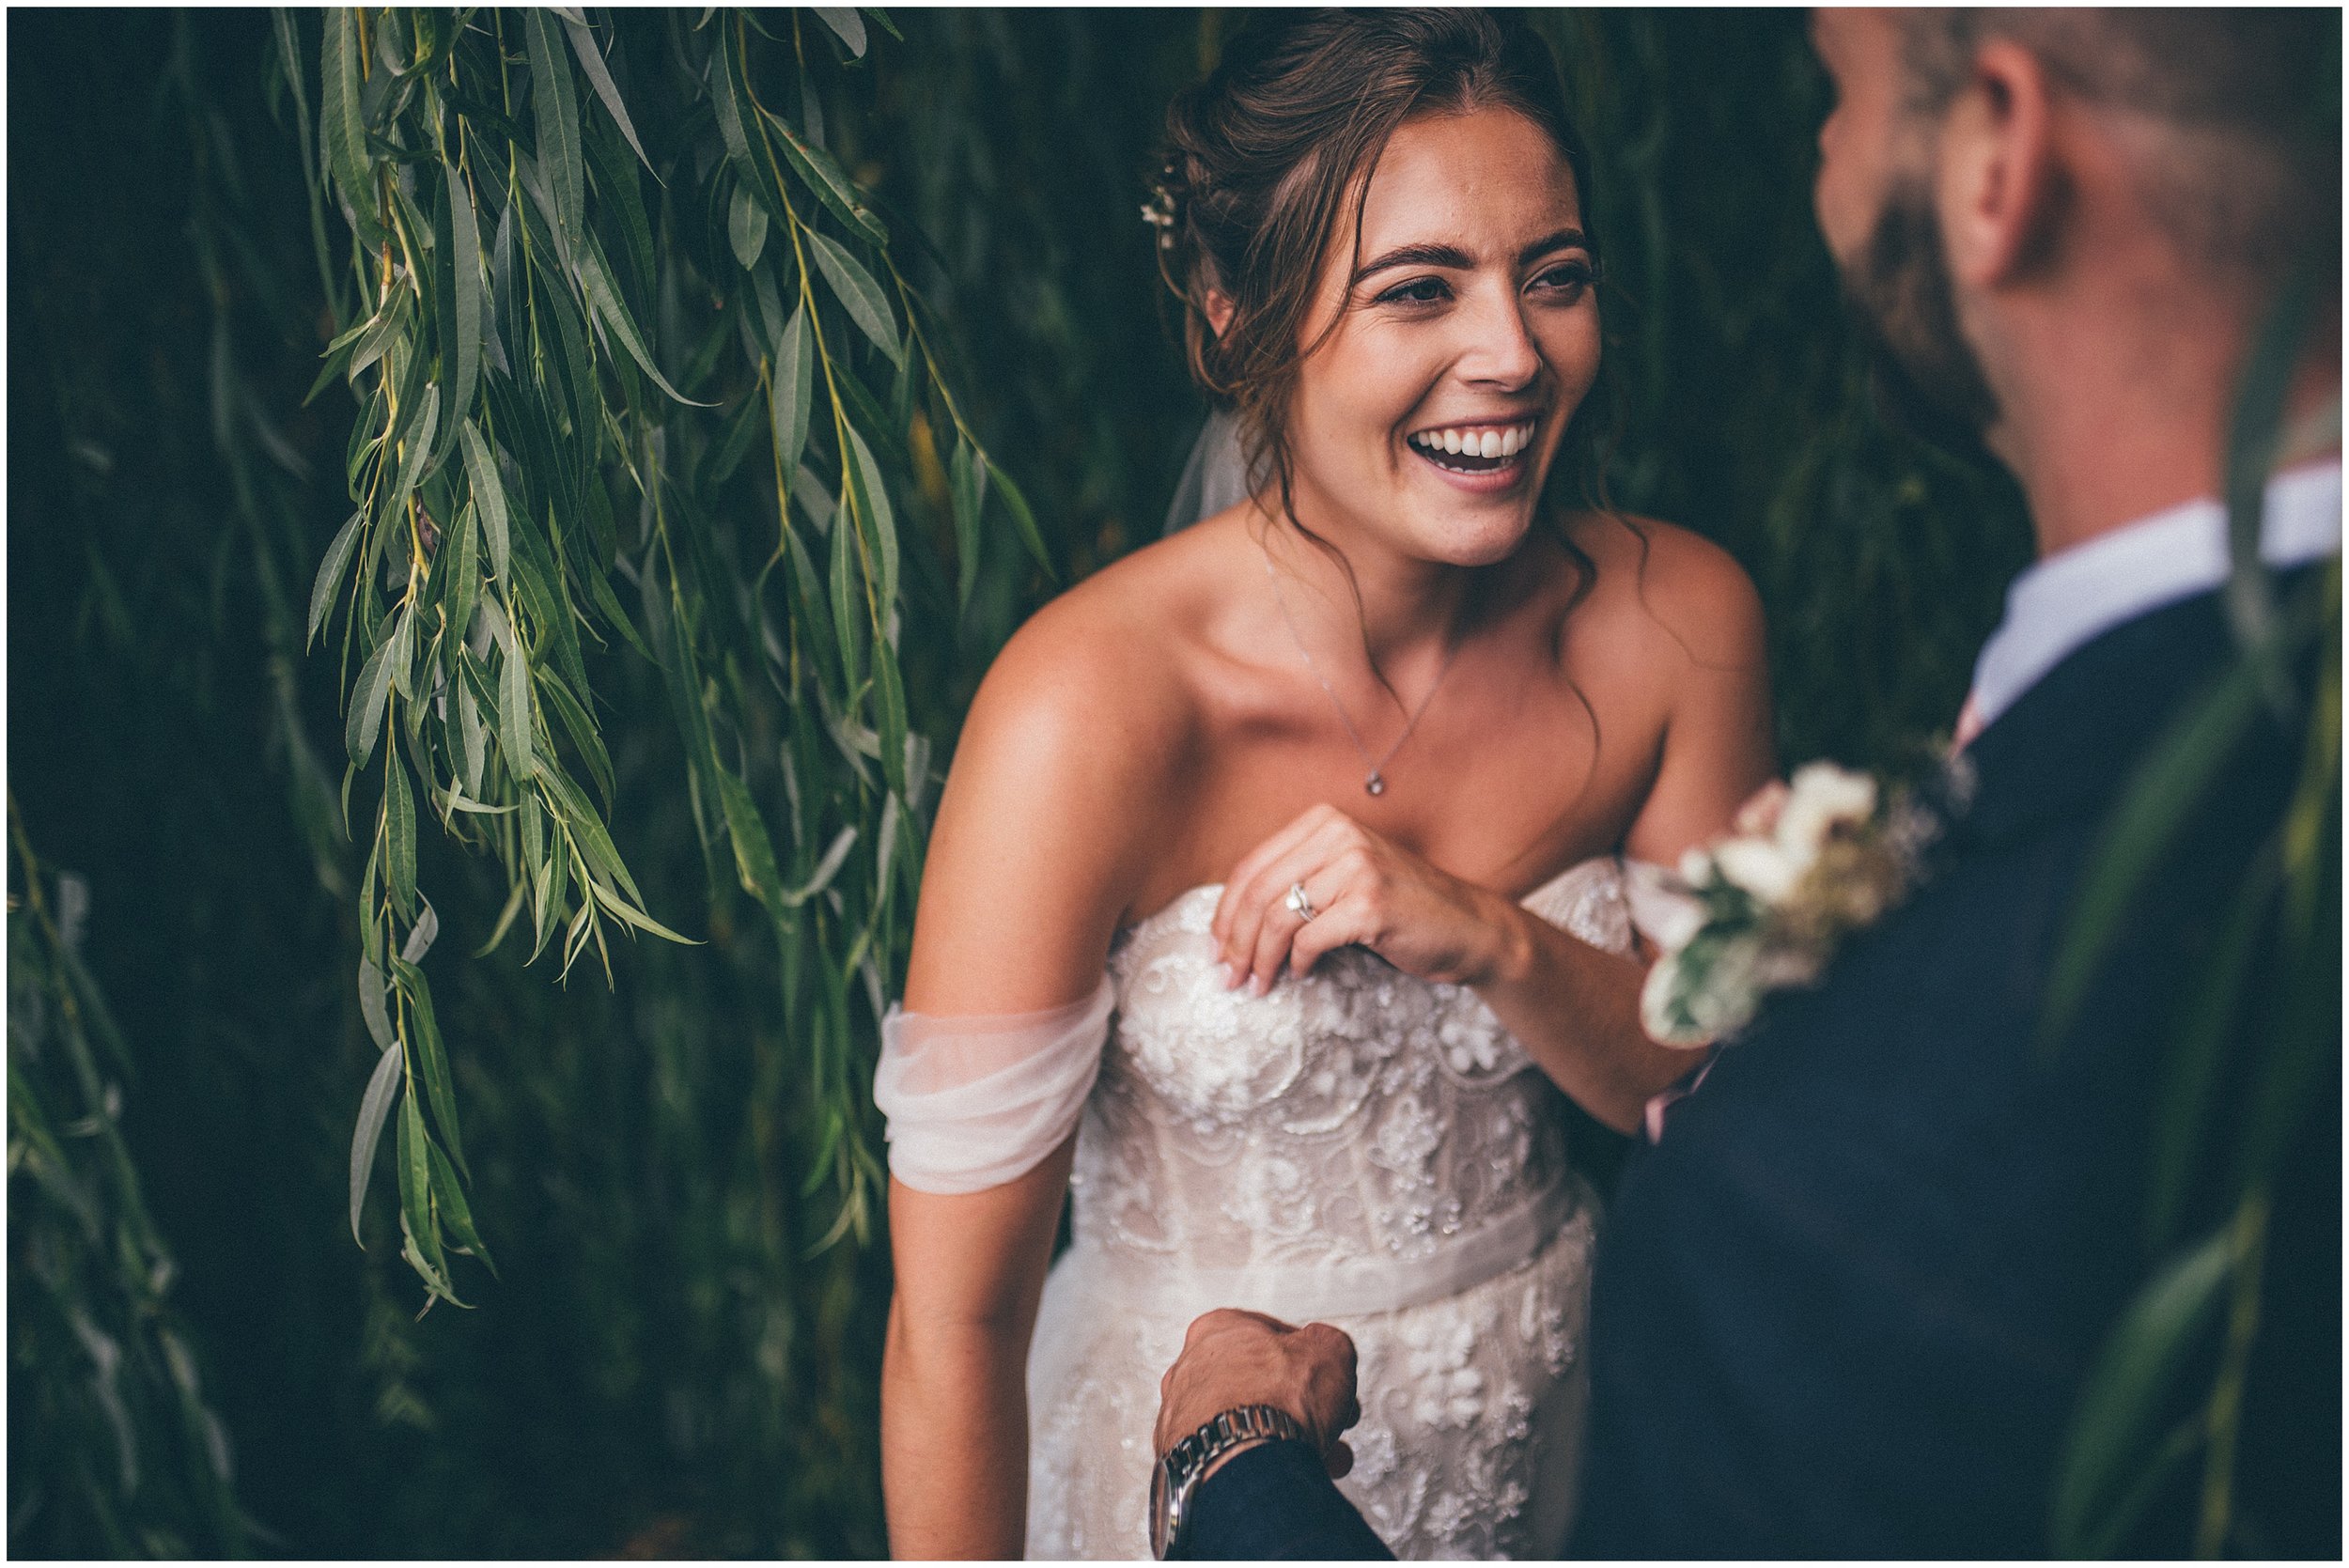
<point x="1226" y="1464"/>
<point x="1193" y="1414"/>
<point x="1235" y="1451"/>
<point x="1187" y="1466"/>
<point x="1277" y="1500"/>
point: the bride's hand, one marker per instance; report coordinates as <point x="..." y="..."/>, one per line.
<point x="1362" y="889"/>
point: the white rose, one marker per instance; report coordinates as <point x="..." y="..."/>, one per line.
<point x="1762" y="866"/>
<point x="1822" y="796"/>
<point x="1663" y="912"/>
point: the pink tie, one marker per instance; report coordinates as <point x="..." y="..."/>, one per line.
<point x="1968" y="724"/>
<point x="1689" y="1083"/>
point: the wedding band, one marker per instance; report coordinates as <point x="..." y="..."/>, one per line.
<point x="1299" y="904"/>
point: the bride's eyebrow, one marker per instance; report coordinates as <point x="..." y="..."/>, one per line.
<point x="1416" y="256"/>
<point x="1565" y="238"/>
<point x="1452" y="255"/>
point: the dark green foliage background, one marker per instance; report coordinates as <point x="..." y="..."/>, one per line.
<point x="660" y="1367"/>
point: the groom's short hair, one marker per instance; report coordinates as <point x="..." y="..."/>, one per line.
<point x="2248" y="170"/>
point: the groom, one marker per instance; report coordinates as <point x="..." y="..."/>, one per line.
<point x="1846" y="1305"/>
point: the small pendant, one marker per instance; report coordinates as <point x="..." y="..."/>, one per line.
<point x="1375" y="784"/>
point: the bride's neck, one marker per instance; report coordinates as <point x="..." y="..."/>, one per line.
<point x="1349" y="591"/>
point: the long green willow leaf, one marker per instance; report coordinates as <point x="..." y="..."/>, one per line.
<point x="374" y="1106"/>
<point x="599" y="74"/>
<point x="2174" y="778"/>
<point x="868" y="307"/>
<point x="555" y="109"/>
<point x="2138" y="1365"/>
<point x="2254" y="434"/>
<point x="463" y="281"/>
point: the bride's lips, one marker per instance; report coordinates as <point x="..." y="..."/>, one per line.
<point x="1482" y="456"/>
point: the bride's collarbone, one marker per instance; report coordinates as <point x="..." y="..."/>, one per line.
<point x="1520" y="769"/>
<point x="1513" y="853"/>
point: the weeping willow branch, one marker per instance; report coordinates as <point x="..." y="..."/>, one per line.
<point x="2268" y="998"/>
<point x="103" y="1380"/>
<point x="564" y="338"/>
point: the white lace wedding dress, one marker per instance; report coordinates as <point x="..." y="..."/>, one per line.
<point x="1357" y="1147"/>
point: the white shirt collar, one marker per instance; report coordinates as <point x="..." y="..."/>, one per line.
<point x="2061" y="604"/>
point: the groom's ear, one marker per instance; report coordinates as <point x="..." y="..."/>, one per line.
<point x="2001" y="183"/>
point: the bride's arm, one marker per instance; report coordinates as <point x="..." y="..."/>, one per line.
<point x="954" y="1372"/>
<point x="1020" y="895"/>
<point x="1717" y="742"/>
<point x="1575" y="1008"/>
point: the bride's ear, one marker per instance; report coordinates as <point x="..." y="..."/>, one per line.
<point x="1219" y="310"/>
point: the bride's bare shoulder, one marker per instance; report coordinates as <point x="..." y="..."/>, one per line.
<point x="1062" y="780"/>
<point x="1658" y="583"/>
<point x="1102" y="678"/>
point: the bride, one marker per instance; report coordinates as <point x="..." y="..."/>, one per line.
<point x="1278" y="852"/>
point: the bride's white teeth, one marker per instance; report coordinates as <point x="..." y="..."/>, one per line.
<point x="1486" y="445"/>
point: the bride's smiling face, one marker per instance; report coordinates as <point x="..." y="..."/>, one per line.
<point x="1465" y="333"/>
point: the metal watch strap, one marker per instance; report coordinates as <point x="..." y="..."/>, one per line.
<point x="1179" y="1471"/>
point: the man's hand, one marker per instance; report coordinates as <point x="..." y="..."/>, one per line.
<point x="1232" y="1358"/>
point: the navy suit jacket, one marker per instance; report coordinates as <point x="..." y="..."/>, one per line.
<point x="1846" y="1306"/>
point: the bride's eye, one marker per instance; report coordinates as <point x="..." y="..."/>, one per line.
<point x="1566" y="280"/>
<point x="1418" y="291"/>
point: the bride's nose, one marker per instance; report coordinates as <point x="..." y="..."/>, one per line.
<point x="1497" y="348"/>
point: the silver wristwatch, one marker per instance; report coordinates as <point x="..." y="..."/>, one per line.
<point x="1177" y="1474"/>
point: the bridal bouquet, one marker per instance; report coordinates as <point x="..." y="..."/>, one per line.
<point x="1811" y="862"/>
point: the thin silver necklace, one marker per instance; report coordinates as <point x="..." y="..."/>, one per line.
<point x="1374" y="781"/>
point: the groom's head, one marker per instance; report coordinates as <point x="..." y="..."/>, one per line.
<point x="1993" y="181"/>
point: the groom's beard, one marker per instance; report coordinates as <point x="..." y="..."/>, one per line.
<point x="1926" y="378"/>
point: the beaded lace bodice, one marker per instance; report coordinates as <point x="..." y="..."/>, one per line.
<point x="1352" y="1115"/>
<point x="1357" y="1146"/>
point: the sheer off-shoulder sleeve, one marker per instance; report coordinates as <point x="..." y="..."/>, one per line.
<point x="976" y="1102"/>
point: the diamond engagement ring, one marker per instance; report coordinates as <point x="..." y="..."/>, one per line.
<point x="1299" y="904"/>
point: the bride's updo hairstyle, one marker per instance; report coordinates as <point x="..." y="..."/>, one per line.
<point x="1267" y="158"/>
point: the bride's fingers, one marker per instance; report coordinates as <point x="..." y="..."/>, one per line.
<point x="1246" y="872"/>
<point x="1326" y="866"/>
<point x="1344" y="922"/>
<point x="1275" y="927"/>
<point x="1251" y="865"/>
<point x="1260" y="909"/>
